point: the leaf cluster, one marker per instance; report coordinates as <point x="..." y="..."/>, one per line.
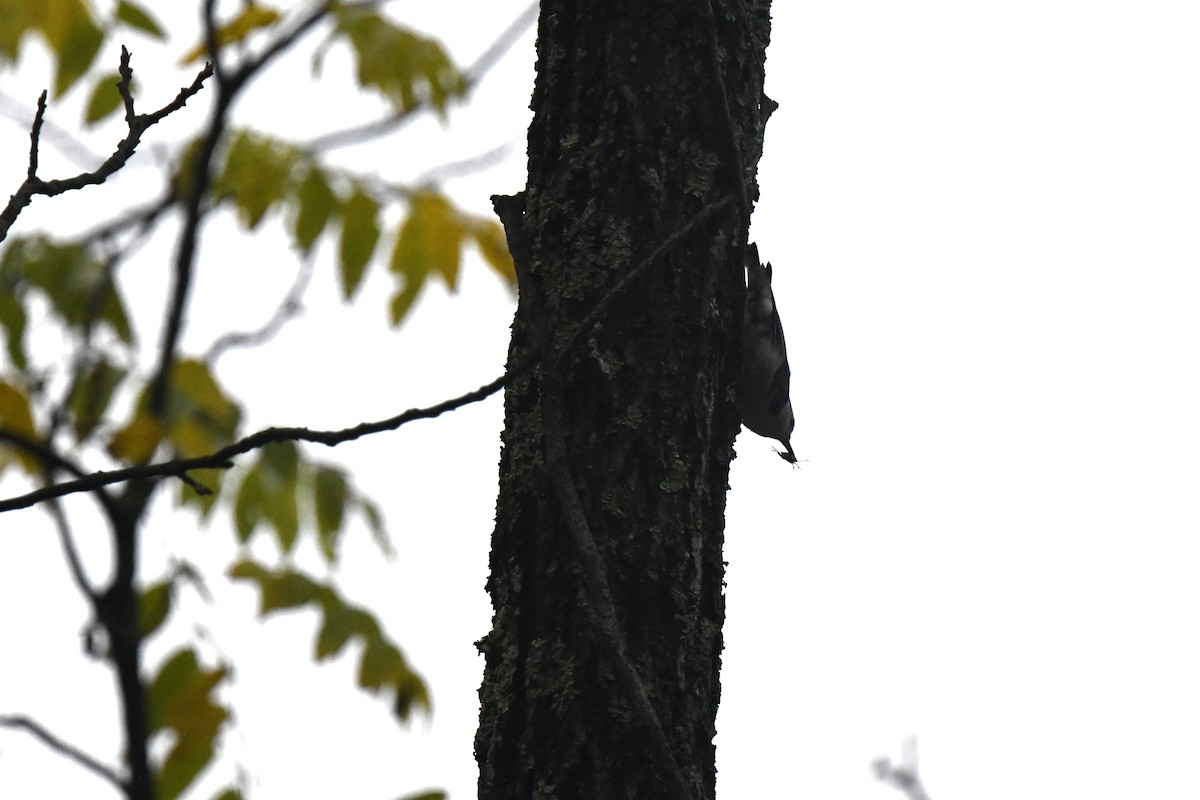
<point x="95" y="405"/>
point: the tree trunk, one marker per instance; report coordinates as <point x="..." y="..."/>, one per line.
<point x="602" y="666"/>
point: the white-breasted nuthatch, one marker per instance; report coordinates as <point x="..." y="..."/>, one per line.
<point x="766" y="378"/>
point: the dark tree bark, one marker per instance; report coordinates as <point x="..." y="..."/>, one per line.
<point x="602" y="667"/>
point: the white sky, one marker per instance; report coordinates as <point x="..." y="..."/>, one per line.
<point x="983" y="219"/>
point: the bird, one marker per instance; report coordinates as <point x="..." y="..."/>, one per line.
<point x="765" y="387"/>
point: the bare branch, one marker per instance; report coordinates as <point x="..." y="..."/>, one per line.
<point x="71" y="552"/>
<point x="509" y="212"/>
<point x="221" y="458"/>
<point x="465" y="166"/>
<point x="56" y="744"/>
<point x="67" y="144"/>
<point x="229" y="85"/>
<point x="137" y="125"/>
<point x="54" y="460"/>
<point x="288" y="309"/>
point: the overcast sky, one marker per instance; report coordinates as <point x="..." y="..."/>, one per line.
<point x="984" y="224"/>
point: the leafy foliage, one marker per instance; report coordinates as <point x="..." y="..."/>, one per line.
<point x="17" y="417"/>
<point x="405" y="67"/>
<point x="98" y="403"/>
<point x="180" y="702"/>
<point x="260" y="175"/>
<point x="69" y="30"/>
<point x="252" y="17"/>
<point x="382" y="665"/>
<point x="77" y="285"/>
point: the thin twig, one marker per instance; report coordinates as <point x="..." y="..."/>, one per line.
<point x="221" y="458"/>
<point x="142" y="217"/>
<point x="67" y="144"/>
<point x="56" y="744"/>
<point x="74" y="562"/>
<point x="228" y="88"/>
<point x="287" y="310"/>
<point x="51" y="459"/>
<point x="464" y="166"/>
<point x="137" y="125"/>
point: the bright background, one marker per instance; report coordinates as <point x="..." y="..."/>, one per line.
<point x="984" y="223"/>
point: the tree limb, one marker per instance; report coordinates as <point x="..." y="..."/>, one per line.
<point x="56" y="744"/>
<point x="137" y="125"/>
<point x="221" y="458"/>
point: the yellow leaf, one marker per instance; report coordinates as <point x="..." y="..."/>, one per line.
<point x="16" y="416"/>
<point x="404" y="66"/>
<point x="489" y="237"/>
<point x="202" y="418"/>
<point x="136" y="442"/>
<point x="252" y="18"/>
<point x="430" y="240"/>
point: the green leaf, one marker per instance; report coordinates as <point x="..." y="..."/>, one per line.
<point x="183" y="764"/>
<point x="248" y="506"/>
<point x="340" y="623"/>
<point x="211" y="479"/>
<point x="229" y="794"/>
<point x="330" y="493"/>
<point x="154" y="605"/>
<point x="278" y="590"/>
<point x="287" y="590"/>
<point x="374" y="519"/>
<point x="382" y="665"/>
<point x="360" y="233"/>
<point x="435" y="794"/>
<point x="317" y="202"/>
<point x="13" y="320"/>
<point x="200" y="416"/>
<point x="17" y="416"/>
<point x="138" y="18"/>
<point x="91" y="392"/>
<point x="77" y="50"/>
<point x="255" y="176"/>
<point x="17" y="17"/>
<point x="279" y="467"/>
<point x="245" y="569"/>
<point x="104" y="100"/>
<point x="180" y="699"/>
<point x="136" y="442"/>
<point x="405" y="67"/>
<point x="402" y="301"/>
<point x="254" y="16"/>
<point x="77" y="283"/>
